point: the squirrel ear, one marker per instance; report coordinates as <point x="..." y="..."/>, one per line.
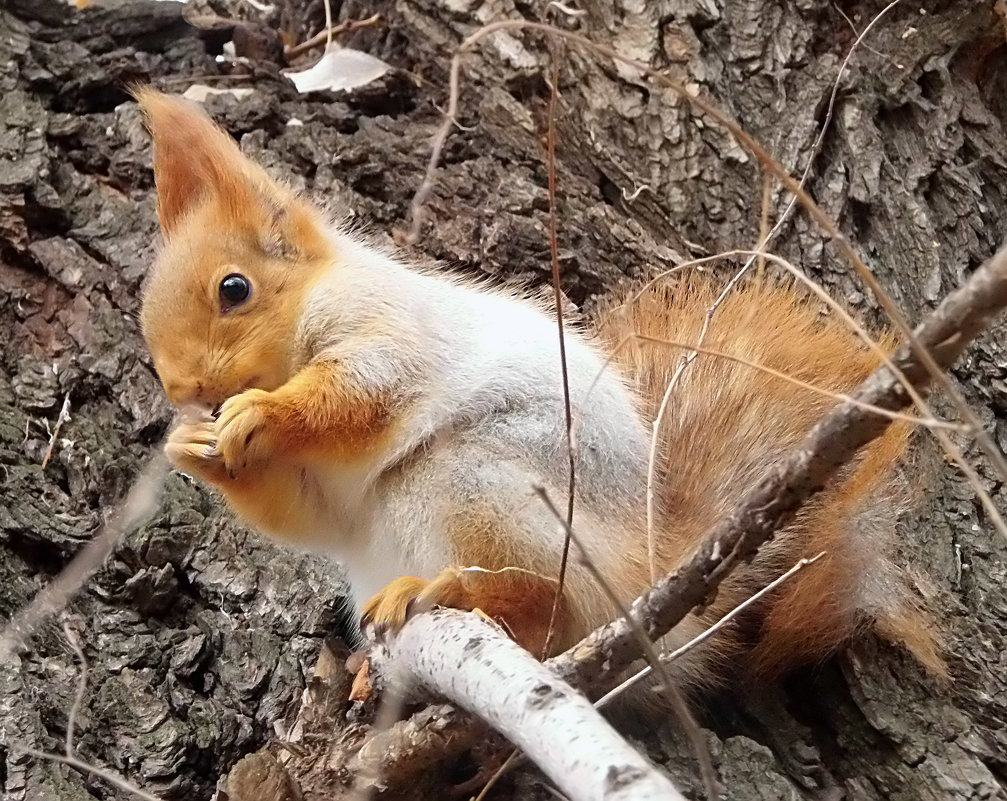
<point x="193" y="158"/>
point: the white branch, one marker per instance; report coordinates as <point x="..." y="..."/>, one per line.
<point x="463" y="658"/>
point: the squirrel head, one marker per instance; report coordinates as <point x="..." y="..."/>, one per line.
<point x="222" y="303"/>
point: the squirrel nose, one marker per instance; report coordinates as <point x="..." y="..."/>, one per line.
<point x="182" y="393"/>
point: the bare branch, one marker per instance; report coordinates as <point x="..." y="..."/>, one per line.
<point x="86" y="767"/>
<point x="64" y="416"/>
<point x="325" y="35"/>
<point x="138" y="506"/>
<point x="78" y="698"/>
<point x="561" y="333"/>
<point x="773" y="502"/>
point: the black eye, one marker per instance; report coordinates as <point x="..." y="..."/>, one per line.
<point x="234" y="290"/>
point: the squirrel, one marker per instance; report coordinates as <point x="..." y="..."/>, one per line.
<point x="401" y="418"/>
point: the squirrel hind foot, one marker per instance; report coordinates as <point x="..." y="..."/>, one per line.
<point x="518" y="600"/>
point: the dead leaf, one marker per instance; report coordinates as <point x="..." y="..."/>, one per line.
<point x="361" y="689"/>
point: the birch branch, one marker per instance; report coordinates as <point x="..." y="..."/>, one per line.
<point x="458" y="656"/>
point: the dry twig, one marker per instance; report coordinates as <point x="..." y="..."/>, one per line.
<point x="564" y="372"/>
<point x="78" y="698"/>
<point x="772" y="503"/>
<point x="325" y="36"/>
<point x="139" y="504"/>
<point x="64" y="415"/>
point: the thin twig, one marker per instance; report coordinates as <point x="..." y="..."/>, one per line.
<point x="817" y="146"/>
<point x="326" y="35"/>
<point x="655" y="433"/>
<point x="671" y="690"/>
<point x="78" y="698"/>
<point x="328" y="24"/>
<point x="853" y="28"/>
<point x="839" y="396"/>
<point x="64" y="415"/>
<point x="764" y="236"/>
<point x="514" y="758"/>
<point x="79" y="764"/>
<point x="564" y="372"/>
<point x="706" y="634"/>
<point x="929" y="419"/>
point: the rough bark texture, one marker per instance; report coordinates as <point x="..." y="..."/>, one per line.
<point x="200" y="635"/>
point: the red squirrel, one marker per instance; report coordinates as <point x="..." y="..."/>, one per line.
<point x="401" y="418"/>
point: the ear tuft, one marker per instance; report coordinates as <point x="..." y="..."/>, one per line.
<point x="193" y="158"/>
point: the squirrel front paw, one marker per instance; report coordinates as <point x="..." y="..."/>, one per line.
<point x="192" y="448"/>
<point x="242" y="433"/>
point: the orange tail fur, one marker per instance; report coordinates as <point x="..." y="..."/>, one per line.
<point x="726" y="423"/>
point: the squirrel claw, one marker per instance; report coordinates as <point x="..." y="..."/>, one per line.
<point x="191" y="448"/>
<point x="240" y="430"/>
<point x="388" y="610"/>
<point x="519" y="601"/>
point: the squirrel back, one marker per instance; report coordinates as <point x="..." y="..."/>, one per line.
<point x="728" y="423"/>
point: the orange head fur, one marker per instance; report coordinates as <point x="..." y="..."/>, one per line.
<point x="221" y="215"/>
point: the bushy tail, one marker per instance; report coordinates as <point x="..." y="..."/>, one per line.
<point x="727" y="423"/>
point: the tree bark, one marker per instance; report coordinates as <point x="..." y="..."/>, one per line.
<point x="198" y="634"/>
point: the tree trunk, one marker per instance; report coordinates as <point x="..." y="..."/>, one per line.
<point x="198" y="634"/>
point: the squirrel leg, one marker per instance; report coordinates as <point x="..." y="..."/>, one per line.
<point x="319" y="414"/>
<point x="521" y="601"/>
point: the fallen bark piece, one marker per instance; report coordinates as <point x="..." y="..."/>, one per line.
<point x="456" y="655"/>
<point x="260" y="776"/>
